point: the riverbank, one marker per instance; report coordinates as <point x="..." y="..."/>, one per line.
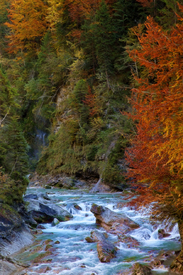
<point x="62" y="247"/>
<point x="14" y="236"/>
<point x="65" y="215"/>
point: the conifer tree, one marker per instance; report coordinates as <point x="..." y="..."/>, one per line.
<point x="13" y="146"/>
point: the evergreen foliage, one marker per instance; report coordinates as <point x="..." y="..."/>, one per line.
<point x="68" y="72"/>
<point x="13" y="146"/>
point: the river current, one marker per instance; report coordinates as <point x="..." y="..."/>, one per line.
<point x="72" y="255"/>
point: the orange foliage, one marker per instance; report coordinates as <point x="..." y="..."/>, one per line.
<point x="156" y="155"/>
<point x="27" y="24"/>
<point x="145" y="3"/>
<point x="81" y="9"/>
<point x="90" y="100"/>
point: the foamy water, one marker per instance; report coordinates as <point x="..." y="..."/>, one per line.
<point x="77" y="257"/>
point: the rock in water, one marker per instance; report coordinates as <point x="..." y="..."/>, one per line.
<point x="162" y="234"/>
<point x="139" y="269"/>
<point x="106" y="249"/>
<point x="44" y="211"/>
<point x="112" y="221"/>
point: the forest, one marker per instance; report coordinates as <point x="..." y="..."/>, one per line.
<point x="102" y="79"/>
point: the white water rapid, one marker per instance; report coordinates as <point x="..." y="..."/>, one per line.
<point x="72" y="255"/>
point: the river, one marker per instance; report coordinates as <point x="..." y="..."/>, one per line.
<point x="72" y="255"/>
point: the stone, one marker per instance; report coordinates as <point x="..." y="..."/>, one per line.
<point x="89" y="240"/>
<point x="7" y="268"/>
<point x="55" y="222"/>
<point x="45" y="213"/>
<point x="14" y="234"/>
<point x="43" y="196"/>
<point x="162" y="234"/>
<point x="47" y="187"/>
<point x="57" y="242"/>
<point x="40" y="226"/>
<point x="106" y="249"/>
<point x="112" y="221"/>
<point x="76" y="206"/>
<point x="139" y="269"/>
<point x="30" y="196"/>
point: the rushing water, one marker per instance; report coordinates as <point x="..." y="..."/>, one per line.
<point x="72" y="255"/>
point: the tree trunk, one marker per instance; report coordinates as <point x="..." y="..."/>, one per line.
<point x="177" y="264"/>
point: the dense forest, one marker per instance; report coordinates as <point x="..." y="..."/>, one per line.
<point x="102" y="79"/>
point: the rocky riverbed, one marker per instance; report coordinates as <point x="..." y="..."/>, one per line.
<point x="78" y="232"/>
<point x="99" y="235"/>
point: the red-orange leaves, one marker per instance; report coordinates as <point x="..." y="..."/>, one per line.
<point x="27" y="24"/>
<point x="91" y="101"/>
<point x="156" y="155"/>
<point x="145" y="3"/>
<point x="82" y="9"/>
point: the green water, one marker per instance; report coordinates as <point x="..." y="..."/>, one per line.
<point x="69" y="253"/>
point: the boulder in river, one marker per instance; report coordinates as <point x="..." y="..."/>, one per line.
<point x="106" y="249"/>
<point x="112" y="221"/>
<point x="45" y="211"/>
<point x="139" y="269"/>
<point x="162" y="234"/>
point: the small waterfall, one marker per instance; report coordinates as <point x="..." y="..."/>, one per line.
<point x="37" y="143"/>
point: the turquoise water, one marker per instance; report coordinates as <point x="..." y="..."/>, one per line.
<point x="72" y="255"/>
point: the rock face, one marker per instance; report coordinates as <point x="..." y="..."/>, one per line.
<point x="14" y="235"/>
<point x="44" y="211"/>
<point x="112" y="221"/>
<point x="139" y="269"/>
<point x="106" y="249"/>
<point x="7" y="268"/>
<point x="58" y="181"/>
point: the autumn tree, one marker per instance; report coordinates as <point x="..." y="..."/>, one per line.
<point x="155" y="157"/>
<point x="3" y="28"/>
<point x="146" y="3"/>
<point x="27" y="24"/>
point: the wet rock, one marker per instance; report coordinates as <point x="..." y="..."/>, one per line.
<point x="43" y="196"/>
<point x="89" y="240"/>
<point x="100" y="187"/>
<point x="27" y="217"/>
<point x="76" y="206"/>
<point x="98" y="236"/>
<point x="38" y="196"/>
<point x="40" y="226"/>
<point x="31" y="197"/>
<point x="45" y="213"/>
<point x="55" y="222"/>
<point x="106" y="249"/>
<point x="162" y="234"/>
<point x="14" y="235"/>
<point x="57" y="242"/>
<point x="112" y="221"/>
<point x="47" y="187"/>
<point x="139" y="269"/>
<point x="7" y="268"/>
<point x="73" y="207"/>
<point x="128" y="240"/>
